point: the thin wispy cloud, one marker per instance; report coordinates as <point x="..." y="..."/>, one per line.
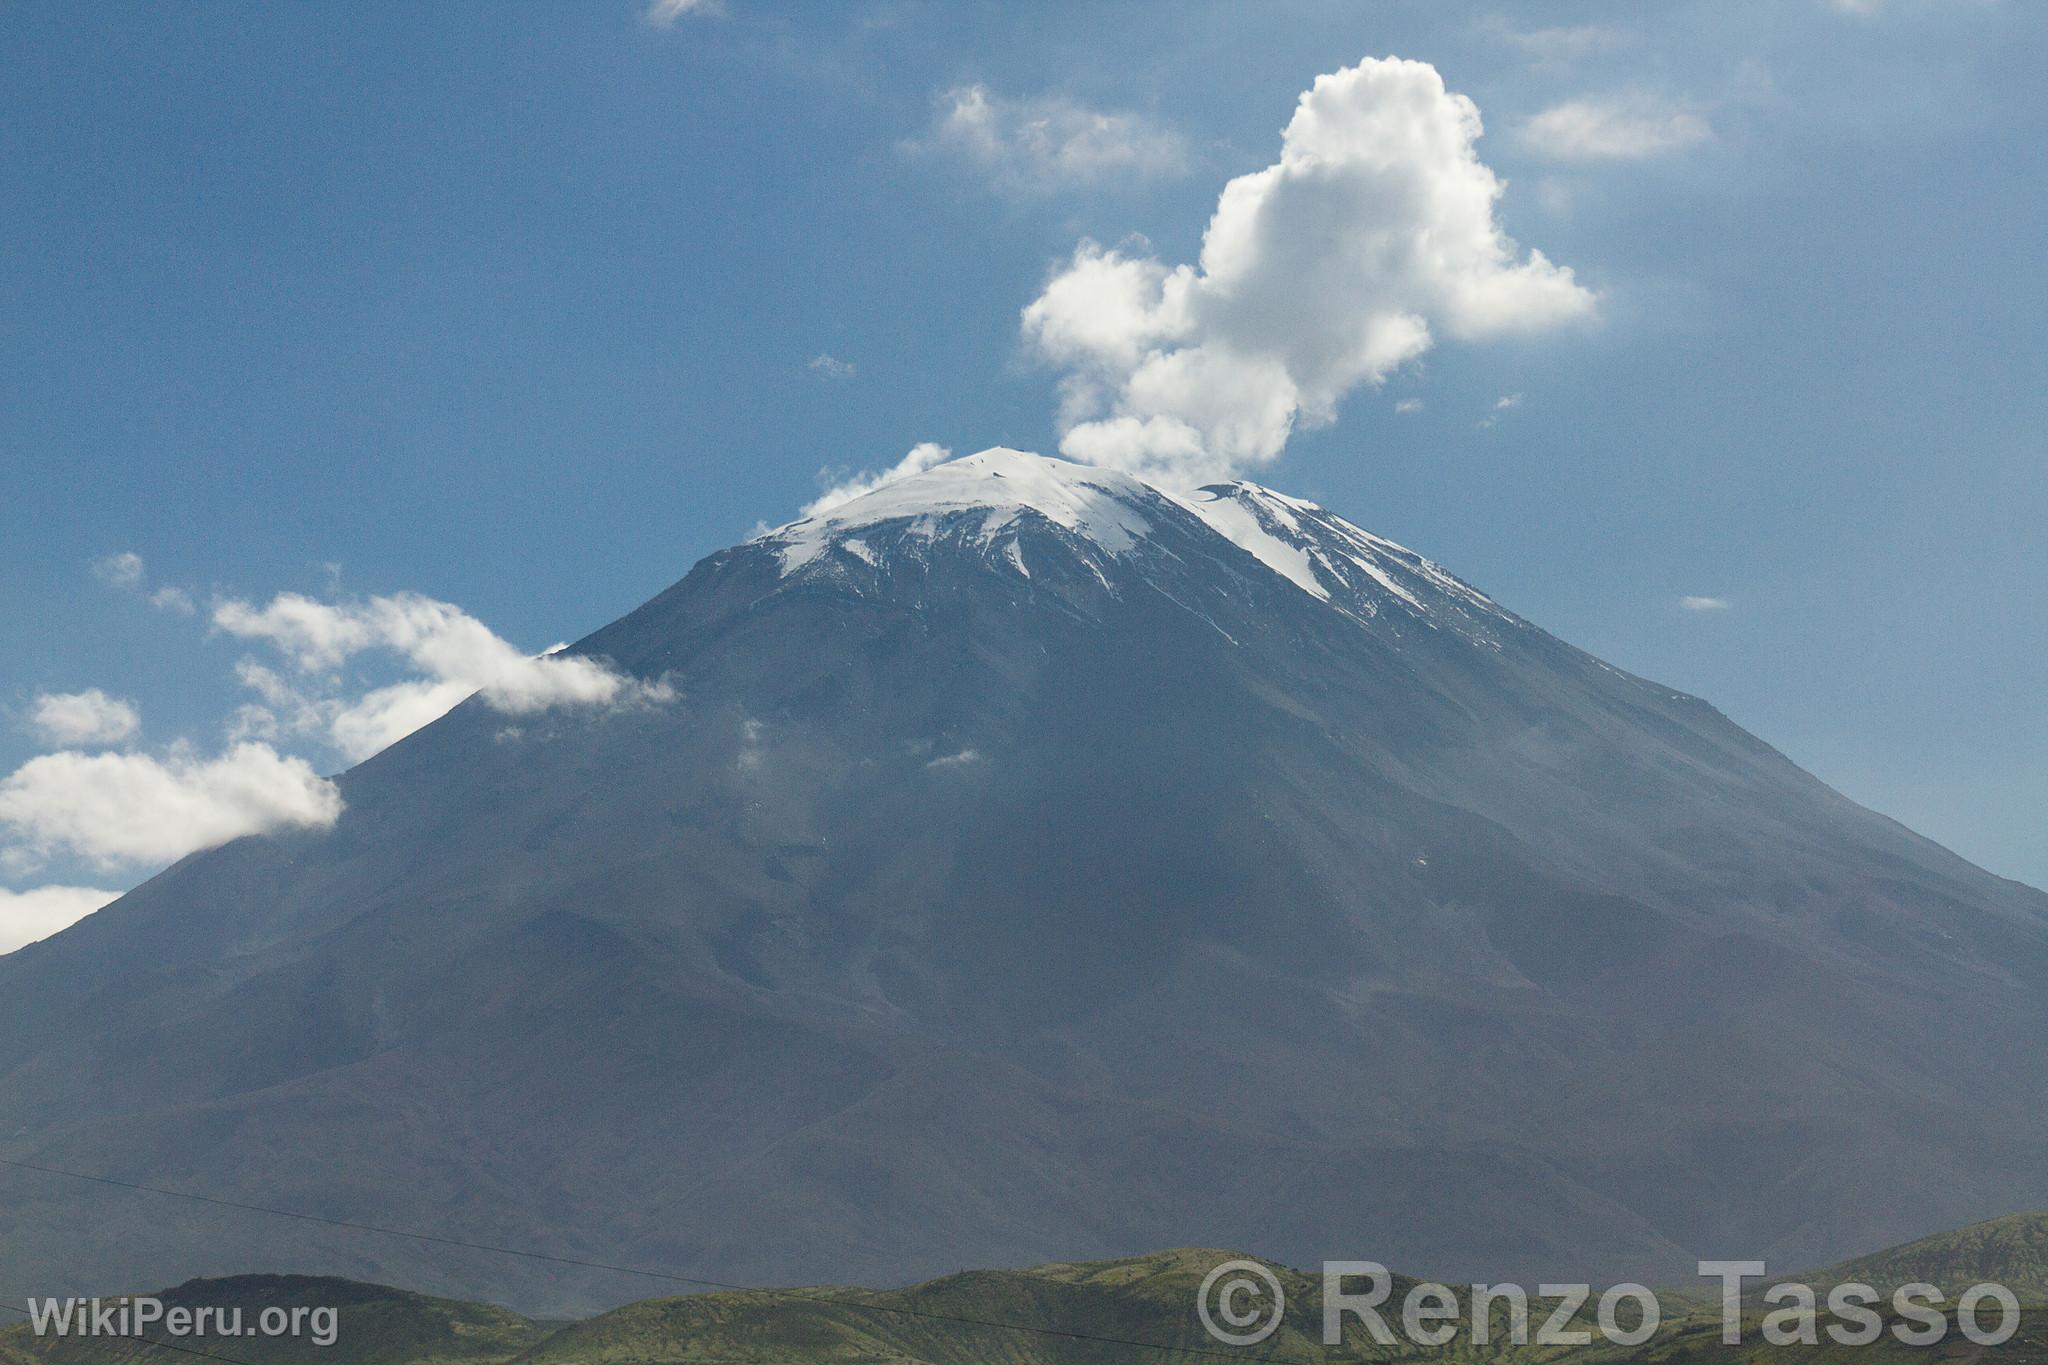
<point x="1507" y="402"/>
<point x="831" y="366"/>
<point x="123" y="570"/>
<point x="1559" y="43"/>
<point x="173" y="599"/>
<point x="1042" y="143"/>
<point x="1327" y="270"/>
<point x="1705" y="603"/>
<point x="128" y="572"/>
<point x="664" y="13"/>
<point x="1629" y="127"/>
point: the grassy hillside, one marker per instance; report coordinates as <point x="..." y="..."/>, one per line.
<point x="2010" y="1251"/>
<point x="1094" y="1313"/>
<point x="377" y="1326"/>
<point x="1146" y="1299"/>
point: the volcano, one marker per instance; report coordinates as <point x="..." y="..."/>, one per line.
<point x="1033" y="864"/>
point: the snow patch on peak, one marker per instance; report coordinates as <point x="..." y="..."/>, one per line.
<point x="1334" y="561"/>
<point x="1236" y="521"/>
<point x="1001" y="484"/>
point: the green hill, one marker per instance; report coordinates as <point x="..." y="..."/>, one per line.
<point x="1145" y="1299"/>
<point x="2011" y="1251"/>
<point x="377" y="1326"/>
<point x="1121" y="1312"/>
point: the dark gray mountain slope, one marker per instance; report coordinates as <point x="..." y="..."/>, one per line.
<point x="1034" y="866"/>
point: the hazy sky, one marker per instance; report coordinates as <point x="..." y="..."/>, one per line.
<point x="525" y="309"/>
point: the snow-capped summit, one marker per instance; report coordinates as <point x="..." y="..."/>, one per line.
<point x="983" y="502"/>
<point x="992" y="489"/>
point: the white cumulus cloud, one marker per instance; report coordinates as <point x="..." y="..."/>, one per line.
<point x="88" y="718"/>
<point x="1049" y="142"/>
<point x="1326" y="270"/>
<point x="1614" y="128"/>
<point x="922" y="456"/>
<point x="827" y="366"/>
<point x="119" y="809"/>
<point x="41" y="911"/>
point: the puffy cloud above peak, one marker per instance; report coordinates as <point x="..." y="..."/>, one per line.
<point x="1048" y="142"/>
<point x="91" y="717"/>
<point x="1329" y="269"/>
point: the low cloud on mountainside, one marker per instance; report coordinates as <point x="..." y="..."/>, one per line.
<point x="1329" y="269"/>
<point x="457" y="653"/>
<point x="119" y="810"/>
<point x="26" y="916"/>
<point x="123" y="811"/>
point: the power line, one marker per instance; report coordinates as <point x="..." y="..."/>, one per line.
<point x="796" y="1294"/>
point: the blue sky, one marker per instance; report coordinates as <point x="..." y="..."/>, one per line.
<point x="522" y="309"/>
